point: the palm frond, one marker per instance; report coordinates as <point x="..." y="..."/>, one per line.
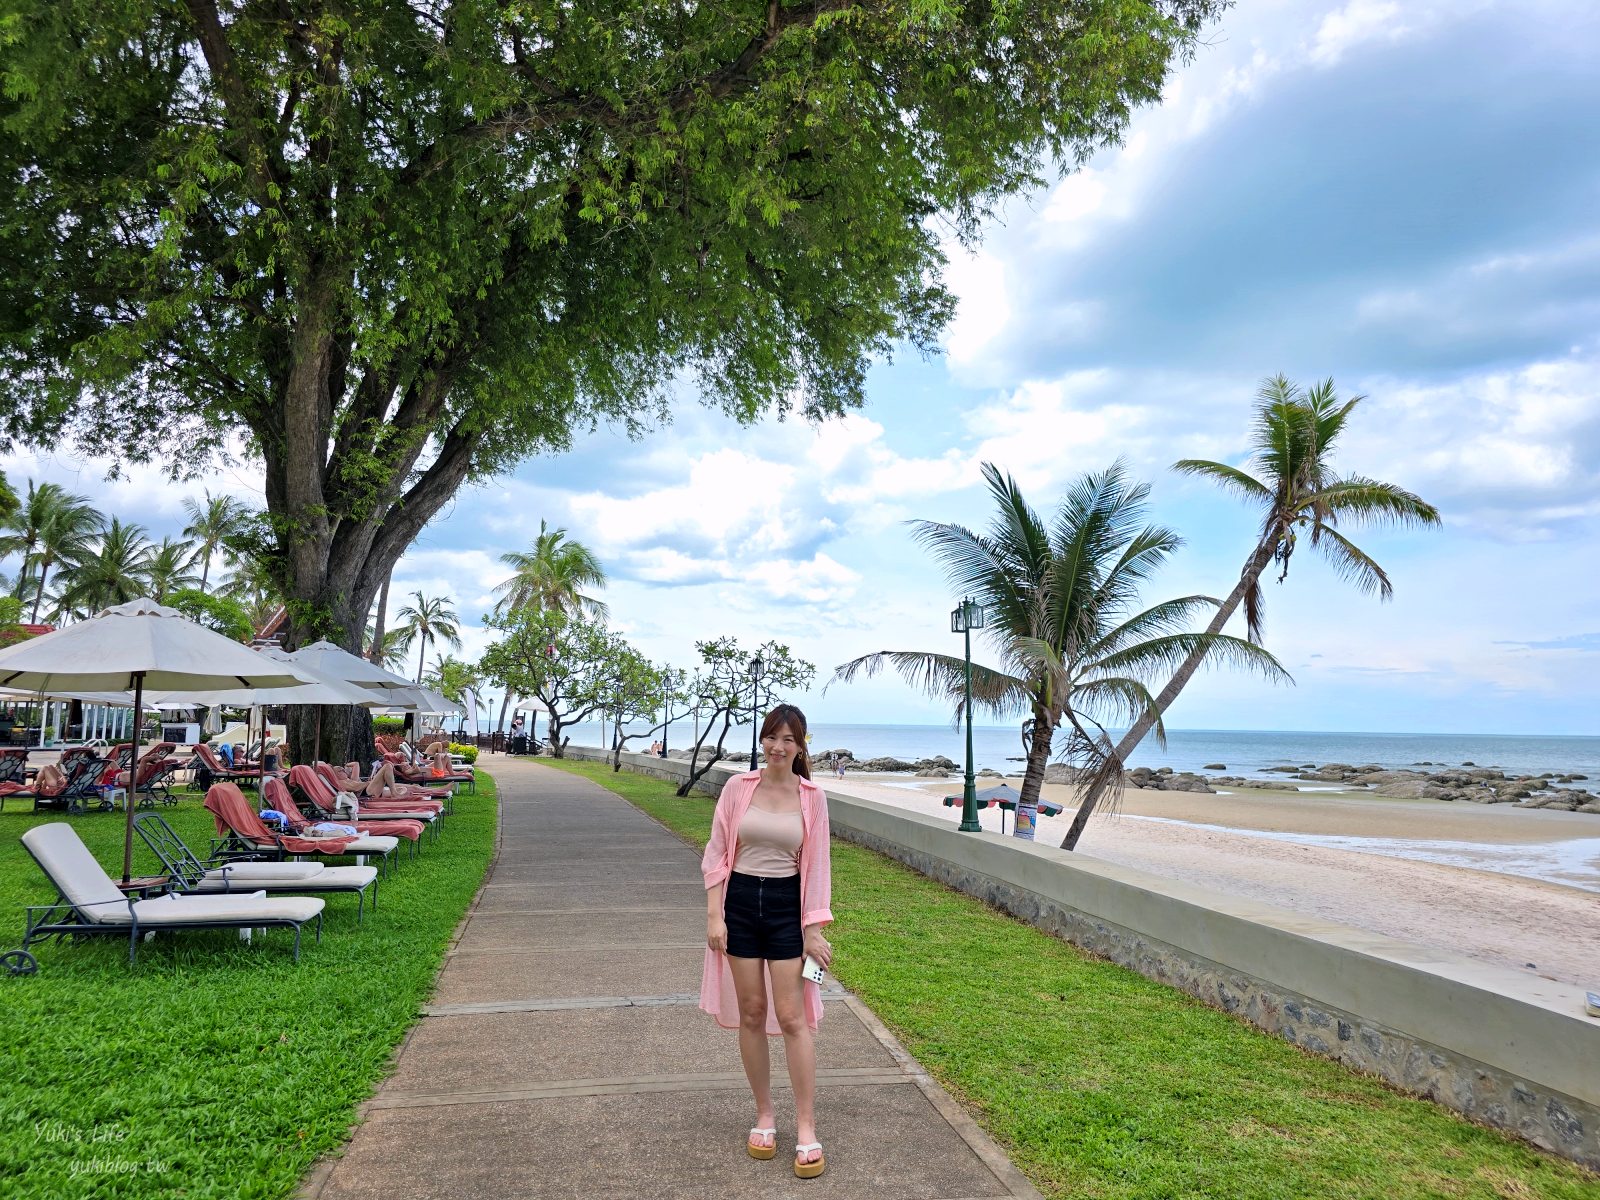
<point x="1165" y="654"/>
<point x="943" y="677"/>
<point x="1375" y="501"/>
<point x="1353" y="565"/>
<point x="1169" y="616"/>
<point x="1242" y="483"/>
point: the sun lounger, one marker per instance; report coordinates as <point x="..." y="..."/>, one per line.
<point x="244" y="834"/>
<point x="416" y="805"/>
<point x="80" y="788"/>
<point x="306" y="801"/>
<point x="89" y="903"/>
<point x="210" y="769"/>
<point x="220" y="877"/>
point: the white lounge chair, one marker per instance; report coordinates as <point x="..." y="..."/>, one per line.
<point x="89" y="902"/>
<point x="233" y="877"/>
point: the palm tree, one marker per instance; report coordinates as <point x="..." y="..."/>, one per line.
<point x="112" y="574"/>
<point x="1061" y="601"/>
<point x="552" y="576"/>
<point x="1297" y="490"/>
<point x="209" y="523"/>
<point x="429" y="621"/>
<point x="171" y="568"/>
<point x="53" y="526"/>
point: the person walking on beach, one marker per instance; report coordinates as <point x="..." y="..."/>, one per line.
<point x="768" y="887"/>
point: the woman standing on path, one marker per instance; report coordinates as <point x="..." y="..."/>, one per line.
<point x="768" y="887"/>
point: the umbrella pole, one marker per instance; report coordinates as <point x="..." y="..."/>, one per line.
<point x="133" y="776"/>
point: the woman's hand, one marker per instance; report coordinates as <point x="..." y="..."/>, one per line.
<point x="717" y="934"/>
<point x="817" y="946"/>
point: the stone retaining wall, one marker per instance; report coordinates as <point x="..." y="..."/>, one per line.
<point x="1507" y="1050"/>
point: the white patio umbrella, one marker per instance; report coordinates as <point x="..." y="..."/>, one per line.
<point x="138" y="645"/>
<point x="382" y="689"/>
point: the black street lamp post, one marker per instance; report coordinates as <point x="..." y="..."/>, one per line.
<point x="967" y="616"/>
<point x="755" y="702"/>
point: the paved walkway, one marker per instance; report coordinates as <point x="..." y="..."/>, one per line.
<point x="563" y="1054"/>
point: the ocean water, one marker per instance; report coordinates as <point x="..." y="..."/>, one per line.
<point x="1241" y="752"/>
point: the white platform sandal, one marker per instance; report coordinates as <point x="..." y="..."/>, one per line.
<point x="808" y="1170"/>
<point x="762" y="1152"/>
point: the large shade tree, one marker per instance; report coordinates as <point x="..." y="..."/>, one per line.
<point x="1062" y="600"/>
<point x="405" y="245"/>
<point x="1299" y="495"/>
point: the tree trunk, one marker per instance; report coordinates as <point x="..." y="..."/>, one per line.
<point x="505" y="701"/>
<point x="205" y="570"/>
<point x="44" y="570"/>
<point x="422" y="654"/>
<point x="1044" y="732"/>
<point x="379" y="619"/>
<point x="1253" y="568"/>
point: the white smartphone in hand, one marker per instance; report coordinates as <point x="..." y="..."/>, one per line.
<point x="811" y="969"/>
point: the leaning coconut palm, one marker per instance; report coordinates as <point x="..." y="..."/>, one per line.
<point x="552" y="576"/>
<point x="1062" y="605"/>
<point x="429" y="621"/>
<point x="1292" y="451"/>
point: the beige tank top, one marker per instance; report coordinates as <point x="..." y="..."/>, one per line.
<point x="769" y="843"/>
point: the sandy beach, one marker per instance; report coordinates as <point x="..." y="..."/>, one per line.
<point x="1516" y="887"/>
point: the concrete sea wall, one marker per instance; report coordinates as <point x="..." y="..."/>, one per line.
<point x="1507" y="1050"/>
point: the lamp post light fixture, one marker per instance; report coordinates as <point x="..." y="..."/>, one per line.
<point x="966" y="617"/>
<point x="755" y="698"/>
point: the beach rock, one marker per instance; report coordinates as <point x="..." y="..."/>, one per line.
<point x="1215" y="767"/>
<point x="1409" y="789"/>
<point x="1591" y="807"/>
<point x="1238" y="781"/>
<point x="1289" y="770"/>
<point x="1185" y="781"/>
<point x="886" y="764"/>
<point x="990" y="773"/>
<point x="1469" y="763"/>
<point x="1060" y="773"/>
<point x="825" y="755"/>
<point x="933" y="773"/>
<point x="1378" y="779"/>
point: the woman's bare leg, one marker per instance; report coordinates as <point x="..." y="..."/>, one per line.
<point x="750" y="985"/>
<point x="798" y="1046"/>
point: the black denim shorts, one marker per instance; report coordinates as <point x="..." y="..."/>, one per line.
<point x="763" y="917"/>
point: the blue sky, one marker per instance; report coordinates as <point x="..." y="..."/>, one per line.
<point x="1405" y="197"/>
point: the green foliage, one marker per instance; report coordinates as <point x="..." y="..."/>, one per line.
<point x="1098" y="1082"/>
<point x="470" y="753"/>
<point x="452" y="678"/>
<point x="388" y="724"/>
<point x="374" y="237"/>
<point x="228" y="617"/>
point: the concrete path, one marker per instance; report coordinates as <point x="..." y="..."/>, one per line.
<point x="563" y="1054"/>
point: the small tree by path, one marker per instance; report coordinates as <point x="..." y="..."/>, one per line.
<point x="561" y="662"/>
<point x="1298" y="492"/>
<point x="725" y="689"/>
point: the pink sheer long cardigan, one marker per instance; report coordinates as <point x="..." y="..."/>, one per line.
<point x="717" y="996"/>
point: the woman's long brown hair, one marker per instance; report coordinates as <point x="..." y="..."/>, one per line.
<point x="790" y="717"/>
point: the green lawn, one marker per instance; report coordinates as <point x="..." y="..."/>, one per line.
<point x="212" y="1068"/>
<point x="1101" y="1083"/>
